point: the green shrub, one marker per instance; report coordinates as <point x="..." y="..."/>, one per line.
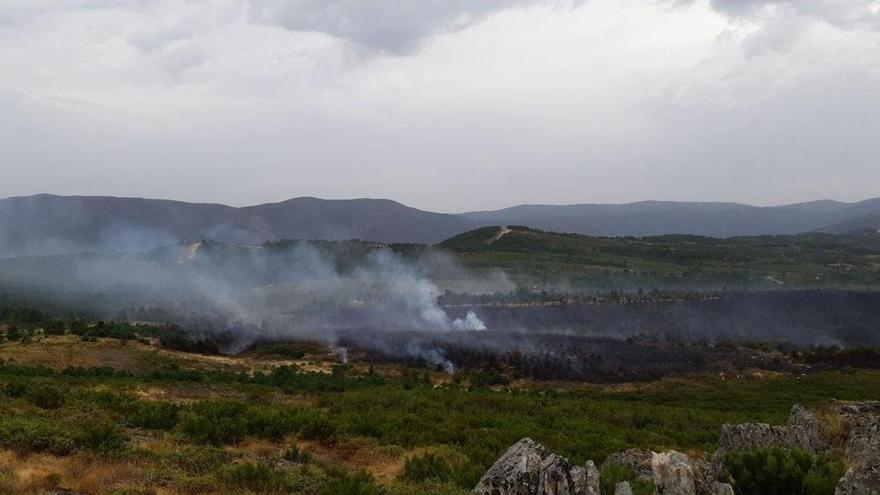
<point x="102" y="436"/>
<point x="215" y="422"/>
<point x="14" y="389"/>
<point x="768" y="471"/>
<point x="45" y="397"/>
<point x="616" y="473"/>
<point x="27" y="435"/>
<point x="297" y="455"/>
<point x="359" y="484"/>
<point x="259" y="478"/>
<point x="823" y="477"/>
<point x="426" y="467"/>
<point x="154" y="415"/>
<point x="55" y="327"/>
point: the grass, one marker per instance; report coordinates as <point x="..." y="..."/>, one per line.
<point x="202" y="428"/>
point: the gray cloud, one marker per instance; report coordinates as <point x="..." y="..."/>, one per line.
<point x="845" y="14"/>
<point x="393" y="26"/>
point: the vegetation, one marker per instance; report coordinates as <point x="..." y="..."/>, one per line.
<point x="783" y="472"/>
<point x="674" y="261"/>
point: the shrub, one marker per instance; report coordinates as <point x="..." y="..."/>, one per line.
<point x="823" y="477"/>
<point x="259" y="478"/>
<point x="215" y="422"/>
<point x="359" y="484"/>
<point x="45" y="397"/>
<point x="426" y="467"/>
<point x="27" y="435"/>
<point x="14" y="389"/>
<point x="102" y="436"/>
<point x="768" y="471"/>
<point x="153" y="415"/>
<point x="54" y="327"/>
<point x="297" y="455"/>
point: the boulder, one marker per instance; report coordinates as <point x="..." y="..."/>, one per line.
<point x="863" y="480"/>
<point x="722" y="489"/>
<point x="804" y="431"/>
<point x="591" y="479"/>
<point x="623" y="488"/>
<point x="673" y="474"/>
<point x="638" y="460"/>
<point x="527" y="468"/>
<point x="863" y="418"/>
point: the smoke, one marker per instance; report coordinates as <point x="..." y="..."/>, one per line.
<point x="301" y="290"/>
<point x="432" y="356"/>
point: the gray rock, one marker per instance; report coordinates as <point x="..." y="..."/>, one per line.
<point x="863" y="419"/>
<point x="806" y="431"/>
<point x="722" y="489"/>
<point x="803" y="431"/>
<point x="638" y="460"/>
<point x="527" y="468"/>
<point x="591" y="479"/>
<point x="673" y="474"/>
<point x="623" y="488"/>
<point x="864" y="480"/>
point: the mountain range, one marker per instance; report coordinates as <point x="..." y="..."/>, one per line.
<point x="44" y="224"/>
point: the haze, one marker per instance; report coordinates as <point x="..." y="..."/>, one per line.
<point x="448" y="105"/>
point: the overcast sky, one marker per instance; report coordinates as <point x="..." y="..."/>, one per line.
<point x="448" y="105"/>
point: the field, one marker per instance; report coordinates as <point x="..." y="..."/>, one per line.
<point x="126" y="416"/>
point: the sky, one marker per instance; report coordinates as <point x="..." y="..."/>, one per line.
<point x="445" y="105"/>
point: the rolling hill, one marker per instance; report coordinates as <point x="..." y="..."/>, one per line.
<point x="46" y="224"/>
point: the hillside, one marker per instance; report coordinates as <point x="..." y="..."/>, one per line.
<point x="805" y="260"/>
<point x="665" y="217"/>
<point x="53" y="224"/>
<point x="46" y="224"/>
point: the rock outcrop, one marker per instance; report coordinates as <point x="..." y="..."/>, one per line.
<point x="862" y="480"/>
<point x="673" y="474"/>
<point x="623" y="488"/>
<point x="863" y="421"/>
<point x="804" y="431"/>
<point x="527" y="468"/>
<point x="638" y="460"/>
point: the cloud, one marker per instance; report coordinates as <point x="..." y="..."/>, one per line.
<point x="392" y="26"/>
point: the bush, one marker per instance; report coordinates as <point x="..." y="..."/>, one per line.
<point x="102" y="436"/>
<point x="359" y="484"/>
<point x="823" y="477"/>
<point x="45" y="397"/>
<point x="426" y="467"/>
<point x="297" y="455"/>
<point x="26" y="435"/>
<point x="215" y="422"/>
<point x="14" y="389"/>
<point x="768" y="471"/>
<point x="153" y="415"/>
<point x="54" y="327"/>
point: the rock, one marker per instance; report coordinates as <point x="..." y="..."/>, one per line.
<point x="591" y="479"/>
<point x="638" y="460"/>
<point x="623" y="488"/>
<point x="527" y="468"/>
<point x="722" y="489"/>
<point x="803" y="431"/>
<point x="864" y="480"/>
<point x="863" y="418"/>
<point x="806" y="431"/>
<point x="673" y="474"/>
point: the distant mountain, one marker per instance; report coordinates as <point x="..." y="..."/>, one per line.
<point x="662" y="217"/>
<point x="46" y="224"/>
